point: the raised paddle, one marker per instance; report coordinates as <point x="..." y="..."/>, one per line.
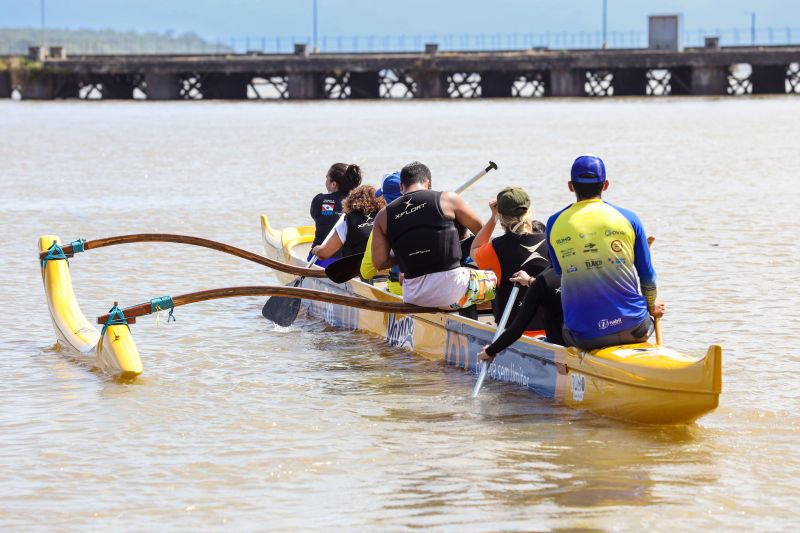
<point x="349" y="267"/>
<point x="499" y="331"/>
<point x="283" y="310"/>
<point x="656" y="321"/>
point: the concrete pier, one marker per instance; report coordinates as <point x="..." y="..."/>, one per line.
<point x="432" y="74"/>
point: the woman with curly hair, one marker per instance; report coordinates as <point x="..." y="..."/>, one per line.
<point x="352" y="232"/>
<point x="326" y="208"/>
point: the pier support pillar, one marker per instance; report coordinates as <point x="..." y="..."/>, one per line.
<point x="630" y="82"/>
<point x="768" y="79"/>
<point x="5" y="84"/>
<point x="49" y="87"/>
<point x="680" y="81"/>
<point x="304" y="85"/>
<point x="496" y="83"/>
<point x="709" y="81"/>
<point x="430" y="84"/>
<point x="226" y="86"/>
<point x="567" y="82"/>
<point x="364" y="84"/>
<point x="162" y="86"/>
<point x="117" y="87"/>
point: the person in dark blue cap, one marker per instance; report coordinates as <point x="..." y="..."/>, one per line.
<point x="608" y="283"/>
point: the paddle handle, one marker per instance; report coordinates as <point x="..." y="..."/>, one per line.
<point x="492" y="165"/>
<point x="656" y="321"/>
<point x="324" y="242"/>
<point x="499" y="331"/>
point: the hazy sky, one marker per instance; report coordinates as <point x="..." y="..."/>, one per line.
<point x="236" y="18"/>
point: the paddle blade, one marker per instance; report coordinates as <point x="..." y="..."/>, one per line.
<point x="345" y="268"/>
<point x="282" y="310"/>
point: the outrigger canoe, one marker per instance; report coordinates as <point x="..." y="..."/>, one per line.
<point x="110" y="350"/>
<point x="639" y="382"/>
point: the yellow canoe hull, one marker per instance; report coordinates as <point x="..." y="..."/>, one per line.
<point x="113" y="352"/>
<point x="640" y="382"/>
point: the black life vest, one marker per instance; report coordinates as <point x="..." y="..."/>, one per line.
<point x="422" y="238"/>
<point x="326" y="210"/>
<point x="516" y="252"/>
<point x="359" y="226"/>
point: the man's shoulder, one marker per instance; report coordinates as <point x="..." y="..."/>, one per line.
<point x="632" y="217"/>
<point x="554" y="216"/>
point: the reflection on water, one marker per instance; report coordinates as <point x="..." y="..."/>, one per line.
<point x="237" y="424"/>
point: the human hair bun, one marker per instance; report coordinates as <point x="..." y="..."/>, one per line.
<point x="353" y="174"/>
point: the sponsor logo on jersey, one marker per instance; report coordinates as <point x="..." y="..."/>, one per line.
<point x="571" y="269"/>
<point x="327" y="208"/>
<point x="410" y="208"/>
<point x="606" y="323"/>
<point x="618" y="262"/>
<point x="610" y="232"/>
<point x="564" y="240"/>
<point x="590" y="248"/>
<point x="616" y="246"/>
<point x="567" y="252"/>
<point x="593" y="264"/>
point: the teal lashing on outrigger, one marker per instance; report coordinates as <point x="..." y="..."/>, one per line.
<point x="77" y="246"/>
<point x="54" y="252"/>
<point x="115" y="318"/>
<point x="163" y="303"/>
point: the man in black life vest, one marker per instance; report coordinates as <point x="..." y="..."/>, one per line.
<point x="418" y="232"/>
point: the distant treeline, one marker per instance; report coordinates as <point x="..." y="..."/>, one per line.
<point x="15" y="41"/>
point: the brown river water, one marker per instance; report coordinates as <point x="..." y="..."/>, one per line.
<point x="237" y="425"/>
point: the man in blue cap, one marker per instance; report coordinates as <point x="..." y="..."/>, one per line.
<point x="600" y="251"/>
<point x="390" y="190"/>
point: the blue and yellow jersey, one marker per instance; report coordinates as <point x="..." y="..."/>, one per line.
<point x="598" y="249"/>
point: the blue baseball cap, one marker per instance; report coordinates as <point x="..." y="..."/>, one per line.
<point x="588" y="169"/>
<point x="390" y="190"/>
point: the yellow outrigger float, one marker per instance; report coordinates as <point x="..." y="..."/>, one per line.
<point x="638" y="382"/>
<point x="112" y="350"/>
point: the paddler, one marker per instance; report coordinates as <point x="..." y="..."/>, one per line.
<point x="418" y="232"/>
<point x="326" y="208"/>
<point x="543" y="297"/>
<point x="390" y="191"/>
<point x="521" y="247"/>
<point x="600" y="251"/>
<point x="352" y="231"/>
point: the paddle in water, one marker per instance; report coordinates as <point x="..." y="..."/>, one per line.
<point x="283" y="310"/>
<point x="349" y="267"/>
<point x="499" y="331"/>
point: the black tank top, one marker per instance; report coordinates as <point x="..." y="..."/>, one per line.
<point x="359" y="226"/>
<point x="515" y="252"/>
<point x="326" y="210"/>
<point x="422" y="238"/>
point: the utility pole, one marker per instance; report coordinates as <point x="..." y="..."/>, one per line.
<point x="605" y="24"/>
<point x="41" y="44"/>
<point x="315" y="49"/>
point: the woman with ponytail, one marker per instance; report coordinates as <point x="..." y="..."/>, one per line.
<point x="326" y="208"/>
<point x="521" y="248"/>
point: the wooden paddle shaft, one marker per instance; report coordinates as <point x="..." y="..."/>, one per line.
<point x="280" y="290"/>
<point x="656" y="320"/>
<point x="196" y="241"/>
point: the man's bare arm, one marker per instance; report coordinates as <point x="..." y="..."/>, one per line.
<point x="454" y="205"/>
<point x="381" y="249"/>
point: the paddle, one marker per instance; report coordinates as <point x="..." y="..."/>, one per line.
<point x="500" y="327"/>
<point x="282" y="310"/>
<point x="349" y="267"/>
<point x="656" y="321"/>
